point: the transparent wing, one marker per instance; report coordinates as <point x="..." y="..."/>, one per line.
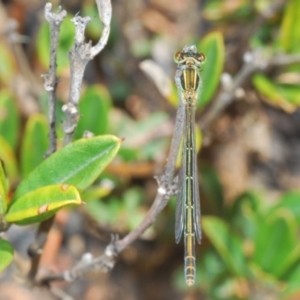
<point x="179" y="215"/>
<point x="197" y="211"/>
<point x="180" y="212"/>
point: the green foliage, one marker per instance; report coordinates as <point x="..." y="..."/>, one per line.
<point x="8" y="157"/>
<point x="212" y="46"/>
<point x="42" y="203"/>
<point x="3" y="190"/>
<point x="286" y="96"/>
<point x="124" y="214"/>
<point x="220" y="10"/>
<point x="46" y="189"/>
<point x="290" y="28"/>
<point x="230" y="250"/>
<point x="276" y="244"/>
<point x="7" y="64"/>
<point x="94" y="107"/>
<point x="34" y="144"/>
<point x="78" y="164"/>
<point x="9" y="118"/>
<point x="6" y="254"/>
<point x="94" y="28"/>
<point x="258" y="244"/>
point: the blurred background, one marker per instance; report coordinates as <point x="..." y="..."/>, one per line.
<point x="249" y="152"/>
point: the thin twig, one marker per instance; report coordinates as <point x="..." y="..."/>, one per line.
<point x="80" y="54"/>
<point x="50" y="79"/>
<point x="253" y="62"/>
<point x="106" y="262"/>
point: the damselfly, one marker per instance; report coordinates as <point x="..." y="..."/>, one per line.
<point x="187" y="217"/>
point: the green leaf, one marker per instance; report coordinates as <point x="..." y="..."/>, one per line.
<point x="8" y="157"/>
<point x="291" y="201"/>
<point x="227" y="244"/>
<point x="42" y="203"/>
<point x="79" y="164"/>
<point x="276" y="243"/>
<point x="286" y="97"/>
<point x="6" y="254"/>
<point x="212" y="46"/>
<point x="9" y="118"/>
<point x="66" y="40"/>
<point x="94" y="28"/>
<point x="217" y="10"/>
<point x="3" y="190"/>
<point x="246" y="215"/>
<point x="35" y="143"/>
<point x="293" y="279"/>
<point x="7" y="64"/>
<point x="94" y="107"/>
<point x="290" y="27"/>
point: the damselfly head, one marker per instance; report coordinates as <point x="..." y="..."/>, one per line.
<point x="189" y="53"/>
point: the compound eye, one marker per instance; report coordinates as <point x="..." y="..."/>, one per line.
<point x="177" y="56"/>
<point x="201" y="57"/>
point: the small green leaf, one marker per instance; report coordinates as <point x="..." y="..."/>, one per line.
<point x="7" y="64"/>
<point x="42" y="203"/>
<point x="6" y="254"/>
<point x="94" y="108"/>
<point x="276" y="243"/>
<point x="94" y="28"/>
<point x="66" y="40"/>
<point x="290" y="27"/>
<point x="226" y="243"/>
<point x="3" y="190"/>
<point x="8" y="157"/>
<point x="9" y="118"/>
<point x="246" y="214"/>
<point x="286" y="97"/>
<point x="35" y="143"/>
<point x="212" y="46"/>
<point x="79" y="164"/>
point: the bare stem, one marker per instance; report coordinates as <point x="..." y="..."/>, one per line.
<point x="106" y="262"/>
<point x="50" y="79"/>
<point x="80" y="54"/>
<point x="254" y="61"/>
